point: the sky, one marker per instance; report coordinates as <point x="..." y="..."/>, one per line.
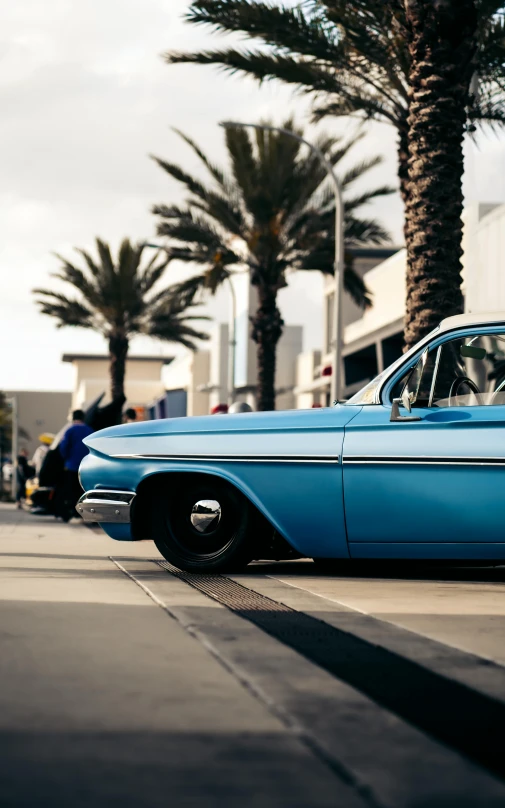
<point x="85" y="98"/>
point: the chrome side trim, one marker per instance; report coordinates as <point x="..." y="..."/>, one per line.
<point x="100" y="505"/>
<point x="235" y="458"/>
<point x="424" y="460"/>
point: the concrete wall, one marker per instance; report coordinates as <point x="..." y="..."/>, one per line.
<point x="40" y="411"/>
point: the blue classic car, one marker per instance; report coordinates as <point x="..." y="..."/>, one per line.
<point x="409" y="468"/>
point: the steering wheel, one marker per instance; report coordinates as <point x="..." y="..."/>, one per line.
<point x="455" y="387"/>
<point x="499" y="389"/>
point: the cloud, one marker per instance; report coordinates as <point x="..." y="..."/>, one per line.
<point x="85" y="97"/>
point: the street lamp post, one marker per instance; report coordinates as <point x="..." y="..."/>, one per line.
<point x="232" y="339"/>
<point x="336" y="386"/>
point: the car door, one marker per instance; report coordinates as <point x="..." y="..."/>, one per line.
<point x="434" y="486"/>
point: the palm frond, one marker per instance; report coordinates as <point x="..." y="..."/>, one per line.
<point x="168" y="318"/>
<point x="289" y="208"/>
<point x="217" y="205"/>
<point x="213" y="169"/>
<point x="358" y="169"/>
<point x="356" y="287"/>
<point x="351" y="203"/>
<point x="352" y="55"/>
<point x="118" y="295"/>
<point x="192" y="184"/>
<point x="67" y="311"/>
<point x="365" y="231"/>
<point x="263" y="66"/>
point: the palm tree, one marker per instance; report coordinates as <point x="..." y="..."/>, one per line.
<point x="443" y="44"/>
<point x="366" y="58"/>
<point x="120" y="299"/>
<point x="271" y="214"/>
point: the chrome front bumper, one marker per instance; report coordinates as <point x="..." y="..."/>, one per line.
<point x="100" y="505"/>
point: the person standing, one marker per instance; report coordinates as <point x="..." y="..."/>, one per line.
<point x="23" y="472"/>
<point x="72" y="450"/>
<point x="42" y="449"/>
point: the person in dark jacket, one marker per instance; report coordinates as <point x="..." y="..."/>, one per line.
<point x="72" y="450"/>
<point x="23" y="473"/>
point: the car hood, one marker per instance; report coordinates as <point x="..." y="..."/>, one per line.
<point x="216" y="433"/>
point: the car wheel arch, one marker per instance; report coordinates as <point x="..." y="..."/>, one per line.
<point x="148" y="485"/>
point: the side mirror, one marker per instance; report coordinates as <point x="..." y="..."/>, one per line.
<point x="405" y="401"/>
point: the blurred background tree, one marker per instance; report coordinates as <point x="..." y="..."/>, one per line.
<point x="120" y="298"/>
<point x="271" y="213"/>
<point x="430" y="69"/>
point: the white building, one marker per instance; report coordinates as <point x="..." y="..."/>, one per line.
<point x="373" y="339"/>
<point x="225" y="370"/>
<point x="197" y="382"/>
<point x="143" y="381"/>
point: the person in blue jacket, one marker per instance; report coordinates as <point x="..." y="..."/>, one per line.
<point x="72" y="450"/>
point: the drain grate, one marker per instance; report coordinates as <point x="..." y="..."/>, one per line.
<point x="464" y="719"/>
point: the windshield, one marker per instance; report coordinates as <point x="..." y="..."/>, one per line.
<point x="369" y="393"/>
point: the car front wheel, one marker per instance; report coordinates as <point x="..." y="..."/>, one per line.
<point x="202" y="526"/>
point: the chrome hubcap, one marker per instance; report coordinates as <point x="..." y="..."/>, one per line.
<point x="206" y="515"/>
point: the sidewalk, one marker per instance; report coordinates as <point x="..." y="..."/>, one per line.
<point x="106" y="701"/>
<point x="130" y="684"/>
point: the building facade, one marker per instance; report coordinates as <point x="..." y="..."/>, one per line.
<point x="196" y="383"/>
<point x="39" y="411"/>
<point x="143" y="381"/>
<point x="373" y="339"/>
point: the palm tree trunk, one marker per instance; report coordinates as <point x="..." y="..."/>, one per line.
<point x="442" y="43"/>
<point x="267" y="326"/>
<point x="118" y="350"/>
<point x="403" y="161"/>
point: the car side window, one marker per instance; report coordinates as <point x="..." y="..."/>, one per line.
<point x="418" y="380"/>
<point x="469" y="371"/>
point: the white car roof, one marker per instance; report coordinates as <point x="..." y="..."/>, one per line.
<point x="462" y="320"/>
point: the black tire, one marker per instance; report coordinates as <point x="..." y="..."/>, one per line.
<point x="224" y="547"/>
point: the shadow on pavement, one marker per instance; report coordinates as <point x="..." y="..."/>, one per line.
<point x="412" y="571"/>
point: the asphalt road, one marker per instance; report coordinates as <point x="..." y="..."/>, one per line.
<point x="123" y="684"/>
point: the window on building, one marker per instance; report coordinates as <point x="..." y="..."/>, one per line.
<point x="361" y="366"/>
